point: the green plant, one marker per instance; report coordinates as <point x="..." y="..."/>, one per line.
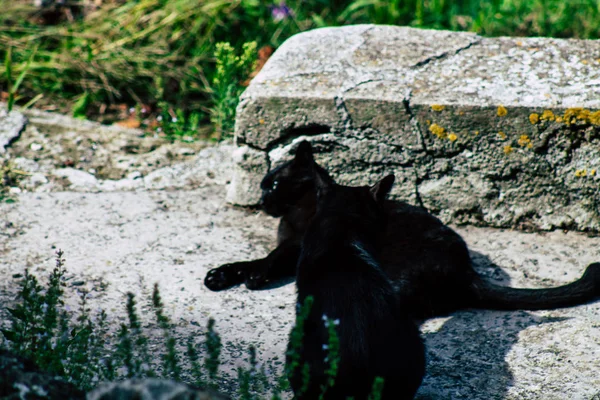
<point x="81" y="105"/>
<point x="253" y="382"/>
<point x="9" y="177"/>
<point x="333" y="354"/>
<point x="227" y="86"/>
<point x="78" y="346"/>
<point x="212" y="345"/>
<point x="13" y="87"/>
<point x="40" y="330"/>
<point x="377" y="389"/>
<point x="171" y="368"/>
<point x="175" y="124"/>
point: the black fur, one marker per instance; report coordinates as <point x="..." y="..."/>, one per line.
<point x="424" y="258"/>
<point x="338" y="267"/>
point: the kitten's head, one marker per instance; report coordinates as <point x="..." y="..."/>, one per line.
<point x="289" y="185"/>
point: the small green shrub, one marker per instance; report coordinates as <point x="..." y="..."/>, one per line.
<point x="79" y="347"/>
<point x="227" y="87"/>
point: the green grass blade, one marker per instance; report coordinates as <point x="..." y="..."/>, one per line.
<point x="8" y="68"/>
<point x="25" y="71"/>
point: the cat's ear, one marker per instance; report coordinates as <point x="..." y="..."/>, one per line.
<point x="304" y="154"/>
<point x="322" y="180"/>
<point x="381" y="189"/>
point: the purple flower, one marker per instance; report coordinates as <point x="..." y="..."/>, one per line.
<point x="281" y="12"/>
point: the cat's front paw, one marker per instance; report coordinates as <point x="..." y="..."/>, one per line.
<point x="224" y="277"/>
<point x="257" y="279"/>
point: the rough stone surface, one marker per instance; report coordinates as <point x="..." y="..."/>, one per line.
<point x="124" y="241"/>
<point x="55" y="153"/>
<point x="21" y="379"/>
<point x="151" y="389"/>
<point x="500" y="132"/>
<point x="11" y="125"/>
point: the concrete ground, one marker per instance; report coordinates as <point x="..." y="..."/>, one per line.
<point x="120" y="239"/>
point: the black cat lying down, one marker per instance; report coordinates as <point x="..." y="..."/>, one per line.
<point x="338" y="268"/>
<point x="426" y="260"/>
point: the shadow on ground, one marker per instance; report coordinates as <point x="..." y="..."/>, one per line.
<point x="466" y="352"/>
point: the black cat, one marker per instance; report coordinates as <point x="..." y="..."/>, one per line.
<point x="338" y="268"/>
<point x="424" y="258"/>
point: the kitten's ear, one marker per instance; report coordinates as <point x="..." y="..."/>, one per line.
<point x="381" y="189"/>
<point x="304" y="154"/>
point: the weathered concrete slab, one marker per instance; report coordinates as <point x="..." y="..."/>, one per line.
<point x="127" y="241"/>
<point x="502" y="132"/>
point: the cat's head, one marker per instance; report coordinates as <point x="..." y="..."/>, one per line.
<point x="291" y="184"/>
<point x="364" y="203"/>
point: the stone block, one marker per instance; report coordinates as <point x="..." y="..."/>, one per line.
<point x="501" y="132"/>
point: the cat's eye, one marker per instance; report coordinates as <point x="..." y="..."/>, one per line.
<point x="275" y="183"/>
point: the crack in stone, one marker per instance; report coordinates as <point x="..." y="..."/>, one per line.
<point x="342" y="111"/>
<point x="416" y="126"/>
<point x="445" y="54"/>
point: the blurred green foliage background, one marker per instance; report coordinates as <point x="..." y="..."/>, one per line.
<point x="100" y="58"/>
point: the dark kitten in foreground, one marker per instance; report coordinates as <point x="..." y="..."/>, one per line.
<point x="338" y="267"/>
<point x="424" y="258"/>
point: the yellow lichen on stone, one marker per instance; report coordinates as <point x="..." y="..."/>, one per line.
<point x="502" y="135"/>
<point x="508" y="149"/>
<point x="437" y="107"/>
<point x="580" y="173"/>
<point x="524" y="140"/>
<point x="452" y="137"/>
<point x="502" y="111"/>
<point x="534" y="118"/>
<point x="584" y="115"/>
<point x="548" y="115"/>
<point x="438" y="131"/>
<point x="571" y="115"/>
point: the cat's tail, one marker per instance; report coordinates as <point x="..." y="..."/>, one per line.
<point x="583" y="290"/>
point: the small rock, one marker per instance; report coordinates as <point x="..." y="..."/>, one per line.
<point x="26" y="164"/>
<point x="79" y="179"/>
<point x="186" y="151"/>
<point x="38" y="179"/>
<point x="36" y="147"/>
<point x="15" y="190"/>
<point x="134" y="175"/>
<point x="11" y="125"/>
